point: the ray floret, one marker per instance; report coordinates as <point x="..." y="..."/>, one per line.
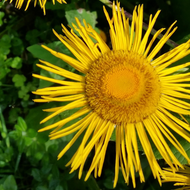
<point x="180" y="177"/>
<point x="19" y="3"/>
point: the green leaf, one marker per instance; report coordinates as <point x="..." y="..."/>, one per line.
<point x="38" y="154"/>
<point x="13" y="114"/>
<point x="32" y="36"/>
<point x="2" y="14"/>
<point x="35" y="151"/>
<point x="34" y="117"/>
<point x="31" y="133"/>
<point x="3" y="134"/>
<point x="17" y="161"/>
<point x="3" y="71"/>
<point x="16" y="42"/>
<point x="18" y="128"/>
<point x="53" y="183"/>
<point x="2" y="164"/>
<point x="46" y="169"/>
<point x="22" y="124"/>
<point x="80" y="13"/>
<point x="186" y="147"/>
<point x="19" y="80"/>
<point x="21" y="145"/>
<point x="55" y="171"/>
<point x="15" y="135"/>
<point x="92" y="183"/>
<point x="41" y="188"/>
<point x="8" y="154"/>
<point x="52" y="146"/>
<point x="113" y="136"/>
<point x="16" y="63"/>
<point x="44" y="83"/>
<point x="6" y="39"/>
<point x="22" y="93"/>
<point x="2" y="59"/>
<point x="3" y="127"/>
<point x="108" y="183"/>
<point x="36" y="174"/>
<point x="5" y="44"/>
<point x="10" y="183"/>
<point x="59" y="188"/>
<point x="40" y="53"/>
<point x="28" y="141"/>
<point x="17" y="46"/>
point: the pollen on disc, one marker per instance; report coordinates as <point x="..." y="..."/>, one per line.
<point x="121" y="83"/>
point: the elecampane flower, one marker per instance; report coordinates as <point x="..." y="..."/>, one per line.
<point x="180" y="178"/>
<point x="126" y="88"/>
<point x="19" y="3"/>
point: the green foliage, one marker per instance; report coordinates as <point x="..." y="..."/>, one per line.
<point x="41" y="53"/>
<point x="9" y="183"/>
<point x="90" y="17"/>
<point x="28" y="159"/>
<point x="2" y="14"/>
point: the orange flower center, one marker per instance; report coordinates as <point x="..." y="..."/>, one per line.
<point x="122" y="87"/>
<point x="121" y="83"/>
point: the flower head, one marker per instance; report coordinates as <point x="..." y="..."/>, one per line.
<point x="180" y="178"/>
<point x="126" y="88"/>
<point x="19" y="3"/>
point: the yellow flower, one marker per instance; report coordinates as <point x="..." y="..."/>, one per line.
<point x="19" y="3"/>
<point x="126" y="88"/>
<point x="181" y="177"/>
